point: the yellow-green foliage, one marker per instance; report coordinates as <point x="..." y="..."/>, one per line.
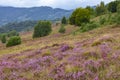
<point x="47" y="53"/>
<point x="79" y="16"/>
<point x="91" y="55"/>
<point x="70" y="68"/>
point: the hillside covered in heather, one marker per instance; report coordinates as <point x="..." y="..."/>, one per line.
<point x="85" y="46"/>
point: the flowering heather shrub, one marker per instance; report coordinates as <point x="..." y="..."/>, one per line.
<point x="91" y="65"/>
<point x="64" y="48"/>
<point x="105" y="50"/>
<point x="96" y="78"/>
<point x="83" y="62"/>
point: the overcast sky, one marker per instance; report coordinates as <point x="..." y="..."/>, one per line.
<point x="65" y="4"/>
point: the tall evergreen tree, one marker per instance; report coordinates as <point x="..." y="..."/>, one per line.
<point x="64" y="20"/>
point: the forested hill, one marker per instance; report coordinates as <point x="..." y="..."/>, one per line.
<point x="18" y="26"/>
<point x="11" y="14"/>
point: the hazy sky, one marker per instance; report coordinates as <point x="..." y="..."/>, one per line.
<point x="65" y="4"/>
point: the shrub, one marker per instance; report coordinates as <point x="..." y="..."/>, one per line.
<point x="64" y="21"/>
<point x="0" y="36"/>
<point x="115" y="19"/>
<point x="3" y="38"/>
<point x="102" y="20"/>
<point x="15" y="40"/>
<point x="118" y="14"/>
<point x="13" y="33"/>
<point x="80" y="16"/>
<point x="43" y="28"/>
<point x="118" y="19"/>
<point x="89" y="26"/>
<point x="62" y="29"/>
<point x="109" y="18"/>
<point x="118" y="8"/>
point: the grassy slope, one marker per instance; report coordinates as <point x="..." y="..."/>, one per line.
<point x="29" y="44"/>
<point x="89" y="42"/>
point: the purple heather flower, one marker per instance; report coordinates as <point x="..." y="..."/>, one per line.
<point x="96" y="78"/>
<point x="105" y="50"/>
<point x="64" y="48"/>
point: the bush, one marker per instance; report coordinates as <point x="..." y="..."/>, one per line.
<point x="13" y="33"/>
<point x="118" y="19"/>
<point x="3" y="38"/>
<point x="64" y="21"/>
<point x="62" y="29"/>
<point x="80" y="16"/>
<point x="118" y="8"/>
<point x="43" y="28"/>
<point x="89" y="26"/>
<point x="102" y="20"/>
<point x="15" y="40"/>
<point x="115" y="19"/>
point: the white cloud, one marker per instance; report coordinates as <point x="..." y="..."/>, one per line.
<point x="66" y="4"/>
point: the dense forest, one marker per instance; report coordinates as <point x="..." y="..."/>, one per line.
<point x="18" y="26"/>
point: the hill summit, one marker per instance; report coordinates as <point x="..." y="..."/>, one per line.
<point x="33" y="13"/>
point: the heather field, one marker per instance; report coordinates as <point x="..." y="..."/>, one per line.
<point x="93" y="55"/>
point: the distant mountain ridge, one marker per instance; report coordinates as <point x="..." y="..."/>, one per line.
<point x="11" y="14"/>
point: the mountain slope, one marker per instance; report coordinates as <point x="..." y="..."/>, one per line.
<point x="62" y="56"/>
<point x="34" y="13"/>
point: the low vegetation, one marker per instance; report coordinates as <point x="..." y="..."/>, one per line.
<point x="15" y="40"/>
<point x="62" y="29"/>
<point x="89" y="26"/>
<point x="93" y="53"/>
